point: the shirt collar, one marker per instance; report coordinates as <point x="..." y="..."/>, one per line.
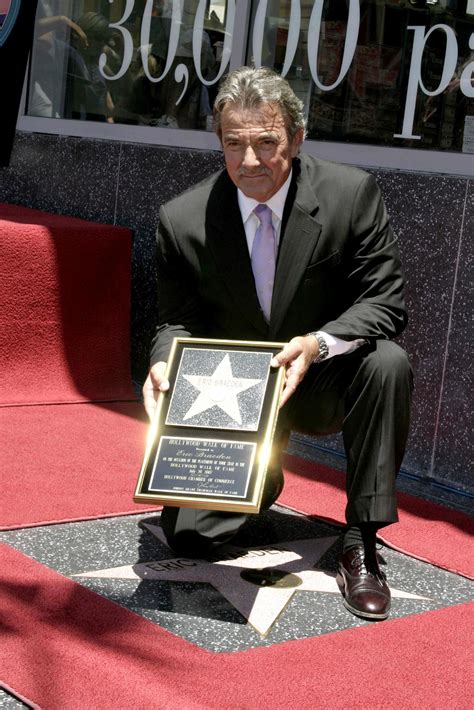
<point x="276" y="202"/>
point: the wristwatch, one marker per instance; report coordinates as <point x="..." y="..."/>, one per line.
<point x="323" y="348"/>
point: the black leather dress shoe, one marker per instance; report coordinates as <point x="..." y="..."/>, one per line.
<point x="363" y="584"/>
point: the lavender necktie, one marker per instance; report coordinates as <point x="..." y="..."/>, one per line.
<point x="263" y="258"/>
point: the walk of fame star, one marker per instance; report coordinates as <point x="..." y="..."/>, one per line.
<point x="219" y="390"/>
<point x="259" y="581"/>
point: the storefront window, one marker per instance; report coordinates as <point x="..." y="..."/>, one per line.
<point x="380" y="72"/>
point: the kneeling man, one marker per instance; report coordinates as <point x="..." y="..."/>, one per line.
<point x="284" y="247"/>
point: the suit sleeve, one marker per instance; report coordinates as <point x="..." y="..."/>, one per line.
<point x="180" y="313"/>
<point x="374" y="281"/>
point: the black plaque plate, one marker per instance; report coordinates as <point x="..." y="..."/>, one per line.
<point x="210" y="441"/>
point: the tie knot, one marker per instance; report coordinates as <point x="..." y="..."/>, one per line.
<point x="264" y="214"/>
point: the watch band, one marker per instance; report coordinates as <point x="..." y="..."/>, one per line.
<point x="323" y="347"/>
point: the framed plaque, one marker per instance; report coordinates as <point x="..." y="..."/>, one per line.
<point x="210" y="441"/>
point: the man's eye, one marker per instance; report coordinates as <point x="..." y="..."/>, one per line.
<point x="268" y="142"/>
<point x="233" y="145"/>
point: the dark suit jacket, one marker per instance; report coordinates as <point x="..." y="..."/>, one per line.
<point x="338" y="267"/>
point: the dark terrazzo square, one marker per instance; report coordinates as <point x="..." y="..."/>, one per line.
<point x="197" y="611"/>
<point x="63" y="175"/>
<point x="426" y="214"/>
<point x="454" y="451"/>
<point x="9" y="702"/>
<point x="152" y="175"/>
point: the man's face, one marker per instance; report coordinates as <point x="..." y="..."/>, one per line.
<point x="257" y="149"/>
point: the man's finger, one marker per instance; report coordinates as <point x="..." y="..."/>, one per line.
<point x="150" y="395"/>
<point x="157" y="377"/>
<point x="285" y="395"/>
<point x="149" y="402"/>
<point x="289" y="353"/>
<point x="155" y="383"/>
<point x="292" y="381"/>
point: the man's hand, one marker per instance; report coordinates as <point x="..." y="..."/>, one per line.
<point x="154" y="384"/>
<point x="296" y="356"/>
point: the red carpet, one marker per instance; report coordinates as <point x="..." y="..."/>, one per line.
<point x="427" y="531"/>
<point x="70" y="462"/>
<point x="66" y="648"/>
<point x="64" y="308"/>
<point x="65" y="338"/>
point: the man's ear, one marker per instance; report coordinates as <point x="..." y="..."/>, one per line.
<point x="296" y="142"/>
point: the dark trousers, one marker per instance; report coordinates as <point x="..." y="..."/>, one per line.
<point x="367" y="396"/>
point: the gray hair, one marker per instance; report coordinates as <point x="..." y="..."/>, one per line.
<point x="249" y="88"/>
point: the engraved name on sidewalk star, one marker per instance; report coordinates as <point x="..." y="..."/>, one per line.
<point x="244" y="576"/>
<point x="219" y="389"/>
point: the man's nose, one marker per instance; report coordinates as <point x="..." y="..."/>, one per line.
<point x="250" y="158"/>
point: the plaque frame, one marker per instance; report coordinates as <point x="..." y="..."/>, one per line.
<point x="236" y="446"/>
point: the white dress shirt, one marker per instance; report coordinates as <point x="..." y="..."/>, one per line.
<point x="336" y="346"/>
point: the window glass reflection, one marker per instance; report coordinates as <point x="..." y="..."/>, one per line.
<point x="129" y="61"/>
<point x="365" y="70"/>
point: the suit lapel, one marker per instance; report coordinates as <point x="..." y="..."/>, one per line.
<point x="298" y="240"/>
<point x="225" y="238"/>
